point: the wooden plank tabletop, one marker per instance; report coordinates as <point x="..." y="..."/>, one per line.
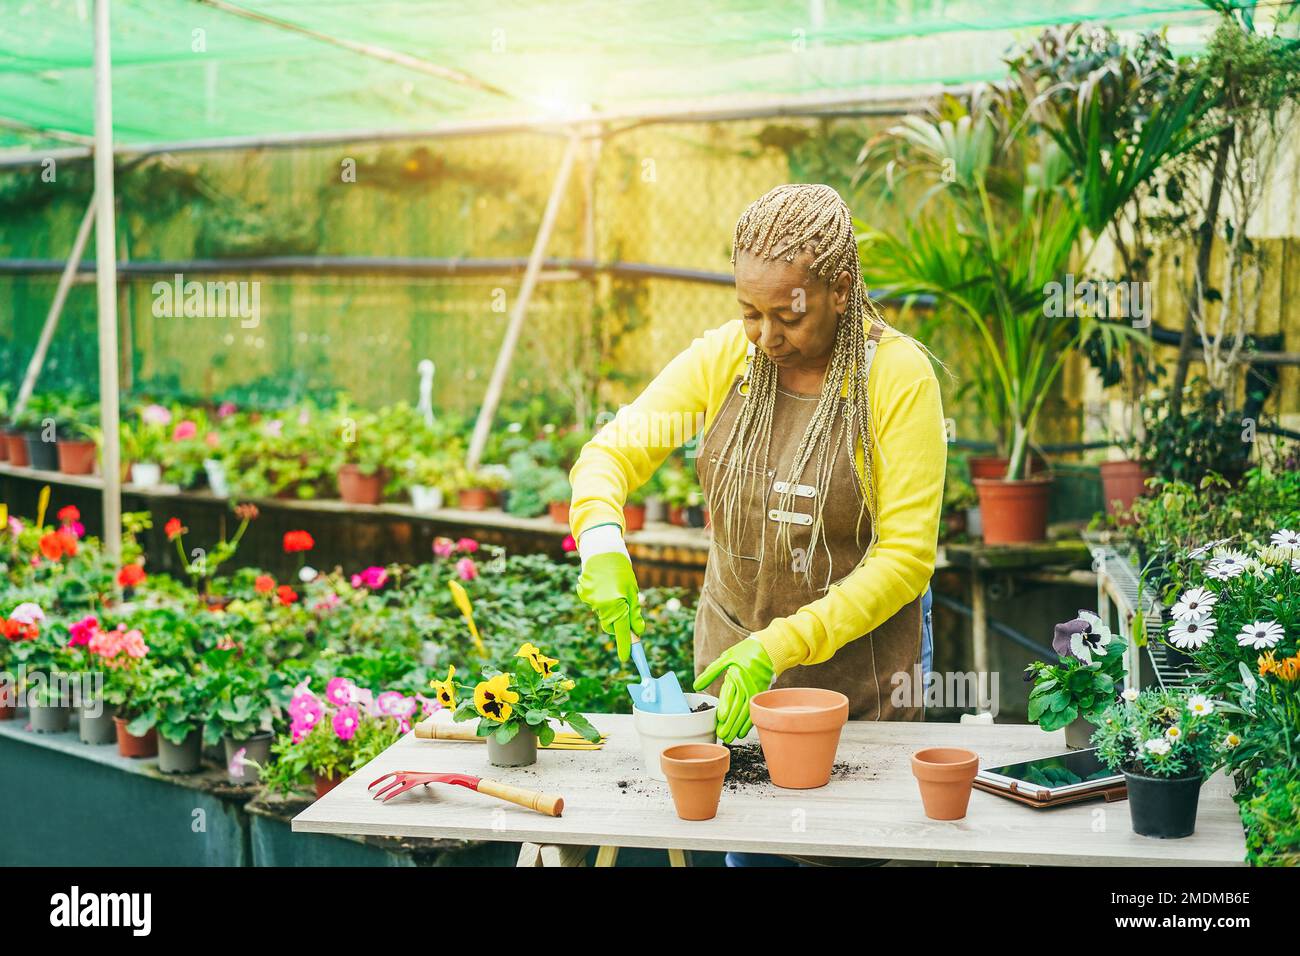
<point x="871" y="807"/>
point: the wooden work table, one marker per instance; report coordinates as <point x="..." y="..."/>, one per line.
<point x="871" y="807"/>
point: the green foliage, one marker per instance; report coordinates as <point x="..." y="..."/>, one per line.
<point x="1073" y="688"/>
<point x="1163" y="734"/>
<point x="1270" y="812"/>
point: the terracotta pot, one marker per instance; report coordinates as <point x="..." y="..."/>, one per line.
<point x="995" y="466"/>
<point x="677" y="516"/>
<point x="1014" y="512"/>
<point x="76" y="457"/>
<point x="945" y="775"/>
<point x="324" y="785"/>
<point x="658" y="732"/>
<point x="8" y="701"/>
<point x="128" y="745"/>
<point x="559" y="511"/>
<point x="357" y="488"/>
<point x="633" y="517"/>
<point x="695" y="773"/>
<point x="799" y="728"/>
<point x="43" y="455"/>
<point x="1122" y="483"/>
<point x="17" y="447"/>
<point x="4" y="446"/>
<point x="474" y="499"/>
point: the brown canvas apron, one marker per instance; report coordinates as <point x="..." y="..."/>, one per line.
<point x="737" y="601"/>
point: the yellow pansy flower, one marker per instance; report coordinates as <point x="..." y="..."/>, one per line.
<point x="445" y="690"/>
<point x="541" y="663"/>
<point x="492" y="698"/>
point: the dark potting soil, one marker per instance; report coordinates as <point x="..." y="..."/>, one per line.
<point x="701" y="707"/>
<point x="749" y="768"/>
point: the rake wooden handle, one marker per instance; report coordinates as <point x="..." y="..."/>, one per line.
<point x="429" y="729"/>
<point x="546" y="803"/>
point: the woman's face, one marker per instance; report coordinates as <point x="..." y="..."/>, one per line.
<point x="787" y="313"/>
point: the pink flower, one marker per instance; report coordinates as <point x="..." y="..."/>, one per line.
<point x="444" y="547"/>
<point x="569" y="544"/>
<point x="81" y="632"/>
<point x="156" y="415"/>
<point x="15" y="526"/>
<point x="134" y="645"/>
<point x="394" y="704"/>
<point x="273" y="428"/>
<point x="225" y="409"/>
<point x="327" y="603"/>
<point x="345" y="722"/>
<point x="365" y="699"/>
<point x="428" y="705"/>
<point x="27" y="613"/>
<point x="184" y="430"/>
<point x="305" y="703"/>
<point x="236" y="766"/>
<point x="468" y="545"/>
<point x="339" y="691"/>
<point x="373" y="577"/>
<point x="467" y="569"/>
<point x="304" y="417"/>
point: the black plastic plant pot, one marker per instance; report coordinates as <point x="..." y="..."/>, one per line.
<point x="1163" y="807"/>
<point x="695" y="516"/>
<point x="42" y="455"/>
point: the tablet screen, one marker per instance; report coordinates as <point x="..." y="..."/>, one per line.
<point x="1062" y="770"/>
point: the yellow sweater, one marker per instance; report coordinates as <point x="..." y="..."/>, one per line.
<point x="909" y="460"/>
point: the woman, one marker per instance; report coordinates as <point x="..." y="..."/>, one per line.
<point x="822" y="464"/>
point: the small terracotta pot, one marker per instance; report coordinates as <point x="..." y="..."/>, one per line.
<point x="799" y="728"/>
<point x="1122" y="483"/>
<point x="945" y="775"/>
<point x="633" y="517"/>
<point x="695" y="773"/>
<point x="4" y="446"/>
<point x="129" y="745"/>
<point x="1014" y="512"/>
<point x="325" y="784"/>
<point x="559" y="511"/>
<point x="474" y="499"/>
<point x="17" y="445"/>
<point x="76" y="457"/>
<point x="677" y="516"/>
<point x="360" y="489"/>
<point x="8" y="701"/>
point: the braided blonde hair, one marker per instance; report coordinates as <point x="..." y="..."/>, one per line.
<point x="787" y="222"/>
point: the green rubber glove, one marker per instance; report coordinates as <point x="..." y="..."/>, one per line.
<point x="608" y="586"/>
<point x="748" y="672"/>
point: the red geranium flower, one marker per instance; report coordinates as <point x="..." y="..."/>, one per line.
<point x="19" y="631"/>
<point x="68" y="514"/>
<point x="174" y="529"/>
<point x="298" y="541"/>
<point x="51" y="546"/>
<point x="286" y="594"/>
<point x="264" y="584"/>
<point x="130" y="575"/>
<point x="68" y="541"/>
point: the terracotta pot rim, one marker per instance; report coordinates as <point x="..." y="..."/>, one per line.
<point x="945" y="764"/>
<point x="695" y="761"/>
<point x="819" y="710"/>
<point x="1032" y="481"/>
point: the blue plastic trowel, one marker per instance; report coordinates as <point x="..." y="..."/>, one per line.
<point x="655" y="695"/>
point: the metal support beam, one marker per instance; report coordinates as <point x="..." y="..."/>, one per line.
<point x="106" y="284"/>
<point x="493" y="395"/>
<point x="56" y="309"/>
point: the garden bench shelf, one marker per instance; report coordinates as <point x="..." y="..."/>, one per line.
<point x="870" y="809"/>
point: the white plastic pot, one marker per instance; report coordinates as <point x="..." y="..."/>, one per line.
<point x="216" y="472"/>
<point x="146" y="474"/>
<point x="660" y="731"/>
<point x="425" y="498"/>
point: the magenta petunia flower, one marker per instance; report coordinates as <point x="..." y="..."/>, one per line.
<point x="225" y="409"/>
<point x="373" y="577"/>
<point x="339" y="691"/>
<point x="346" y="720"/>
<point x="444" y="547"/>
<point x="305" y="707"/>
<point x="467" y="569"/>
<point x="395" y="704"/>
<point x="184" y="430"/>
<point x="81" y="632"/>
<point x="468" y="545"/>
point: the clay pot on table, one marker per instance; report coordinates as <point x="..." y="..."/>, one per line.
<point x="76" y="456"/>
<point x="1122" y="483"/>
<point x="358" y="488"/>
<point x="799" y="729"/>
<point x="474" y="499"/>
<point x="633" y="517"/>
<point x="945" y="776"/>
<point x="1014" y="512"/>
<point x="559" y="511"/>
<point x="695" y="773"/>
<point x="16" y="446"/>
<point x="658" y="732"/>
<point x="129" y="745"/>
<point x="324" y="785"/>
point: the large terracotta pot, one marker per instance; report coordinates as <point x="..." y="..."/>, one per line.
<point x="357" y="488"/>
<point x="474" y="499"/>
<point x="4" y="446"/>
<point x="695" y="773"/>
<point x="799" y="728"/>
<point x="1122" y="483"/>
<point x="945" y="776"/>
<point x="129" y="745"/>
<point x="76" y="457"/>
<point x="633" y="517"/>
<point x="324" y="785"/>
<point x="1014" y="512"/>
<point x="995" y="466"/>
<point x="16" y="444"/>
<point x="559" y="511"/>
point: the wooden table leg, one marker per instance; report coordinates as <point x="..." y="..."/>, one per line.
<point x="979" y="627"/>
<point x="548" y="854"/>
<point x="679" y="857"/>
<point x="607" y="856"/>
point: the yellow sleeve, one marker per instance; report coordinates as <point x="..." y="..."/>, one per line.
<point x="909" y="465"/>
<point x="677" y="404"/>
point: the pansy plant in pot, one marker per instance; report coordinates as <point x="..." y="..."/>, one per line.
<point x="515" y="706"/>
<point x="1166" y="743"/>
<point x="1082" y="683"/>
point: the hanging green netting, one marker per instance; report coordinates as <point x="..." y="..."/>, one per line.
<point x="187" y="70"/>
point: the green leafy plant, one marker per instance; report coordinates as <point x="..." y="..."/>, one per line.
<point x="170" y="700"/>
<point x="1159" y="733"/>
<point x="1085" y="680"/>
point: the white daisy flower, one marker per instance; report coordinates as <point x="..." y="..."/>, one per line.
<point x="1173" y="733"/>
<point x="1295" y="565"/>
<point x="1195" y="605"/>
<point x="306" y="574"/>
<point x="672" y="605"/>
<point x="1197" y="553"/>
<point x="1231" y="740"/>
<point x="1224" y="572"/>
<point x="1200" y="705"/>
<point x="1191" y="635"/>
<point x="1158" y="747"/>
<point x="1276" y="556"/>
<point x="1285" y="538"/>
<point x="1261" y="635"/>
<point x="1130" y="694"/>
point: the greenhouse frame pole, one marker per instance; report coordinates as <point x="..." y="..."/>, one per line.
<point x="106" y="285"/>
<point x="56" y="309"/>
<point x="497" y="383"/>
